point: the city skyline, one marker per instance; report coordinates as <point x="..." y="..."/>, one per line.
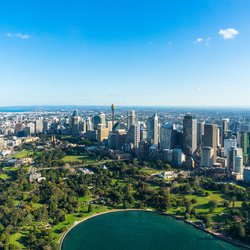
<point x="155" y="54"/>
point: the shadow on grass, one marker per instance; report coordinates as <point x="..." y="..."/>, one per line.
<point x="202" y="206"/>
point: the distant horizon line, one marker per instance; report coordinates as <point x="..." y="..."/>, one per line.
<point x="124" y="106"/>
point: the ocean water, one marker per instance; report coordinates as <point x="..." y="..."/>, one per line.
<point x="138" y="230"/>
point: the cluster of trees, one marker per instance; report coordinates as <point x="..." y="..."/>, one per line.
<point x="37" y="207"/>
<point x="50" y="158"/>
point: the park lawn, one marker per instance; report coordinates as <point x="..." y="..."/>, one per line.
<point x="237" y="204"/>
<point x="151" y="171"/>
<point x="202" y="205"/>
<point x="22" y="154"/>
<point x="71" y="219"/>
<point x="7" y="173"/>
<point x="83" y="199"/>
<point x="15" y="240"/>
<point x="4" y="177"/>
<point x="10" y="169"/>
<point x="77" y="158"/>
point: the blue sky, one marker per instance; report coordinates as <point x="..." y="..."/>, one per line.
<point x="160" y="53"/>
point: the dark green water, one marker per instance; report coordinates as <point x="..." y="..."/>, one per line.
<point x="138" y="230"/>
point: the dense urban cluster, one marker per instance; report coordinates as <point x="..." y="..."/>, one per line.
<point x="218" y="142"/>
<point x="57" y="167"/>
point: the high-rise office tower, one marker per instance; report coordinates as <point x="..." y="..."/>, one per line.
<point x="130" y="118"/>
<point x="239" y="164"/>
<point x="166" y="136"/>
<point x="39" y="126"/>
<point x="83" y="126"/>
<point x="200" y="133"/>
<point x="143" y="150"/>
<point x="75" y="121"/>
<point x="103" y="119"/>
<point x="207" y="156"/>
<point x="245" y="145"/>
<point x="89" y="125"/>
<point x="102" y="133"/>
<point x="178" y="157"/>
<point x="189" y="134"/>
<point x="229" y="143"/>
<point x="99" y="120"/>
<point x="153" y="129"/>
<point x="113" y="115"/>
<point x="225" y="130"/>
<point x="31" y="127"/>
<point x="46" y="126"/>
<point x="133" y="135"/>
<point x="231" y="158"/>
<point x="210" y="138"/>
<point x="18" y="127"/>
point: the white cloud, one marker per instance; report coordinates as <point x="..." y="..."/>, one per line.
<point x="199" y="40"/>
<point x="23" y="36"/>
<point x="18" y="35"/>
<point x="205" y="41"/>
<point x="228" y="33"/>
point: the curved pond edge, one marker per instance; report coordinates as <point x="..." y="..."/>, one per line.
<point x="214" y="234"/>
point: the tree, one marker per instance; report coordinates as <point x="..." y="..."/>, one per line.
<point x="125" y="204"/>
<point x="212" y="204"/>
<point x="233" y="200"/>
<point x="90" y="209"/>
<point x="242" y="231"/>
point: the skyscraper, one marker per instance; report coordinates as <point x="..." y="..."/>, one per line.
<point x="102" y="133"/>
<point x="75" y="121"/>
<point x="210" y="138"/>
<point x="89" y="125"/>
<point x="245" y="145"/>
<point x="133" y="135"/>
<point x="39" y="126"/>
<point x="225" y="130"/>
<point x="113" y="115"/>
<point x="200" y="133"/>
<point x="99" y="120"/>
<point x="189" y="134"/>
<point x="166" y="136"/>
<point x="131" y="118"/>
<point x="207" y="156"/>
<point x="153" y="129"/>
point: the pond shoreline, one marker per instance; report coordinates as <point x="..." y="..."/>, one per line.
<point x="214" y="234"/>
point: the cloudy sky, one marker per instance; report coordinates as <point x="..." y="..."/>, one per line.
<point x="130" y="52"/>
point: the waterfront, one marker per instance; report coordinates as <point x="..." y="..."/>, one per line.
<point x="139" y="230"/>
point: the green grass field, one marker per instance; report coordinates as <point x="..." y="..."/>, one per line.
<point x="22" y="154"/>
<point x="77" y="158"/>
<point x="7" y="173"/>
<point x="4" y="177"/>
